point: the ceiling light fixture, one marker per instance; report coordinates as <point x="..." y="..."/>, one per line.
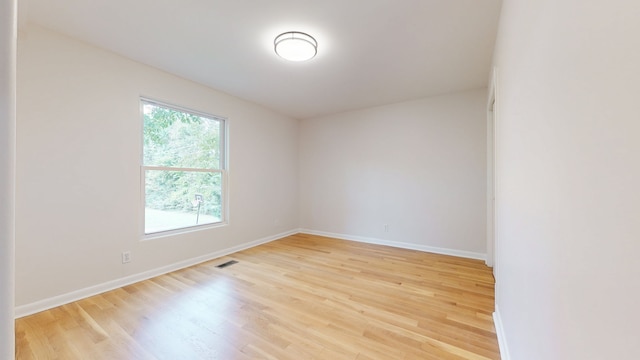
<point x="295" y="46"/>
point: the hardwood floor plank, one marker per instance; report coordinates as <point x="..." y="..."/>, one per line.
<point x="301" y="297"/>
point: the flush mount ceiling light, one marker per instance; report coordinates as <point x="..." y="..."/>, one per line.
<point x="295" y="46"/>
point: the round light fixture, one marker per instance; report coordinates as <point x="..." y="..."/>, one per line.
<point x="295" y="46"/>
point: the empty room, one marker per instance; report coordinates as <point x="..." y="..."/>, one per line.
<point x="366" y="179"/>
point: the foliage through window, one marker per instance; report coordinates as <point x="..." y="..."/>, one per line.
<point x="183" y="168"/>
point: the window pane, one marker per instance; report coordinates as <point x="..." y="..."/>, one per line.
<point x="178" y="199"/>
<point x="174" y="138"/>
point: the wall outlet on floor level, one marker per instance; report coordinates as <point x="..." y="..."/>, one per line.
<point x="126" y="257"/>
<point x="386" y="227"/>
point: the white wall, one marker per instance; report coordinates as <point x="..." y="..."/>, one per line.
<point x="568" y="171"/>
<point x="8" y="34"/>
<point x="417" y="166"/>
<point x="78" y="174"/>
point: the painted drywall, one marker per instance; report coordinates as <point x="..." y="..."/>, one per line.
<point x="8" y="35"/>
<point x="419" y="167"/>
<point x="568" y="169"/>
<point x="78" y="168"/>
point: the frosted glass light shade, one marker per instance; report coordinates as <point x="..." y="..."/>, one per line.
<point x="295" y="46"/>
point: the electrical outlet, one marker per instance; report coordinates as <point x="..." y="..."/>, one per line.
<point x="126" y="257"/>
<point x="386" y="227"/>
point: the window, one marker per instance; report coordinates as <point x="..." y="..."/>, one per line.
<point x="183" y="168"/>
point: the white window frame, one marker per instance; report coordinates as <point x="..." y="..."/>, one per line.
<point x="224" y="220"/>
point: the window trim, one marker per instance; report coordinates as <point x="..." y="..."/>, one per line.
<point x="223" y="170"/>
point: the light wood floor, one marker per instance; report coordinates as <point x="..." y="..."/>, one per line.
<point x="301" y="297"/>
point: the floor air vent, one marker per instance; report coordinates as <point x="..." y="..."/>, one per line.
<point x="228" y="263"/>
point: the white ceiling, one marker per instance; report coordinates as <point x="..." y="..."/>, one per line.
<point x="370" y="52"/>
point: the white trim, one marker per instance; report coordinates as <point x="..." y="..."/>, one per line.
<point x="502" y="339"/>
<point x="168" y="104"/>
<point x="491" y="170"/>
<point x="222" y="167"/>
<point x="45" y="304"/>
<point x="402" y="245"/>
<point x="182" y="230"/>
<point x="8" y="39"/>
<point x="55" y="301"/>
<point x="169" y="168"/>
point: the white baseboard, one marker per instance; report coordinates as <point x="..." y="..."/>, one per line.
<point x="45" y="304"/>
<point x="502" y="340"/>
<point x="402" y="245"/>
<point x="76" y="295"/>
